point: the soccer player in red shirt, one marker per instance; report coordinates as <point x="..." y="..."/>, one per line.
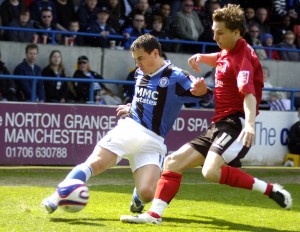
<point x="238" y="91"/>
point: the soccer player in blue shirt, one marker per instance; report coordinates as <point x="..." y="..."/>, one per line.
<point x="161" y="89"/>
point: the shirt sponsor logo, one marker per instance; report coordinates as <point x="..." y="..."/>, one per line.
<point x="143" y="92"/>
<point x="243" y="78"/>
<point x="146" y="96"/>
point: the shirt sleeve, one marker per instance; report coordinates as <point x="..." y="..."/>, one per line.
<point x="245" y="77"/>
<point x="184" y="94"/>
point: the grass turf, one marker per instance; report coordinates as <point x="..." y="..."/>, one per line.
<point x="198" y="206"/>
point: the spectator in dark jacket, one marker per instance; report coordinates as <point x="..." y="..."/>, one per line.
<point x="141" y="7"/>
<point x="37" y="6"/>
<point x="46" y="23"/>
<point x="7" y="86"/>
<point x="136" y="30"/>
<point x="87" y="13"/>
<point x="158" y="32"/>
<point x="294" y="137"/>
<point x="10" y="9"/>
<point x="281" y="28"/>
<point x="80" y="91"/>
<point x="29" y="68"/>
<point x="261" y="20"/>
<point x="65" y="12"/>
<point x="73" y="39"/>
<point x="55" y="91"/>
<point x="102" y="28"/>
<point x="22" y="22"/>
<point x="289" y="43"/>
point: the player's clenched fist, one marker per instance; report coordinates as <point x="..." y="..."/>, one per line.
<point x="199" y="86"/>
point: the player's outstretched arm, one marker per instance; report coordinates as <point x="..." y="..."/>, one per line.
<point x="209" y="59"/>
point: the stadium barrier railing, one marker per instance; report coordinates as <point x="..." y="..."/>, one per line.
<point x="291" y="91"/>
<point x="204" y="45"/>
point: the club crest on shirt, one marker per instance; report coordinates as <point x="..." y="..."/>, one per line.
<point x="163" y="82"/>
<point x="243" y="78"/>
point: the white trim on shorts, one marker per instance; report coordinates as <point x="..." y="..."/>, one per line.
<point x="132" y="141"/>
<point x="234" y="149"/>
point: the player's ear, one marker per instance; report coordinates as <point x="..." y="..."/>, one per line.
<point x="237" y="32"/>
<point x="155" y="52"/>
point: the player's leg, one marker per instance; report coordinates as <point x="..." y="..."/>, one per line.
<point x="106" y="154"/>
<point x="146" y="164"/>
<point x="146" y="178"/>
<point x="224" y="157"/>
<point x="100" y="160"/>
<point x="215" y="171"/>
<point x="168" y="184"/>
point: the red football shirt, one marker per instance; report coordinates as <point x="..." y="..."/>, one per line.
<point x="238" y="72"/>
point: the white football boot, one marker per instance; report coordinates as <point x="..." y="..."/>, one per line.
<point x="143" y="218"/>
<point x="50" y="204"/>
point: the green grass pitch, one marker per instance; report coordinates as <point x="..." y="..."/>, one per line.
<point x="198" y="206"/>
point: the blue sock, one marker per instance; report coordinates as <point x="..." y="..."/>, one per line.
<point x="136" y="198"/>
<point x="81" y="172"/>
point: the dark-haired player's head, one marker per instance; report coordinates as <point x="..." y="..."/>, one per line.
<point x="146" y="51"/>
<point x="147" y="42"/>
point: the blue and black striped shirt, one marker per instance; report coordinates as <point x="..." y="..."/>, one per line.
<point x="159" y="97"/>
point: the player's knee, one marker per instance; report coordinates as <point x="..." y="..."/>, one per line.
<point x="210" y="173"/>
<point x="171" y="164"/>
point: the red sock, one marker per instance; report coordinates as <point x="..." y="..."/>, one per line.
<point x="155" y="215"/>
<point x="269" y="189"/>
<point x="234" y="177"/>
<point x="168" y="186"/>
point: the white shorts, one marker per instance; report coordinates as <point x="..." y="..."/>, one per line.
<point x="132" y="141"/>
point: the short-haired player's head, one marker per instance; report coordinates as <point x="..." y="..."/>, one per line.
<point x="148" y="43"/>
<point x="233" y="16"/>
<point x="146" y="51"/>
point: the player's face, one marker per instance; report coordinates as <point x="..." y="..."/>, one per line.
<point x="146" y="62"/>
<point x="225" y="38"/>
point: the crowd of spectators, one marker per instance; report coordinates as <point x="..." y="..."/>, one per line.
<point x="271" y="23"/>
<point x="54" y="91"/>
<point x="177" y="19"/>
